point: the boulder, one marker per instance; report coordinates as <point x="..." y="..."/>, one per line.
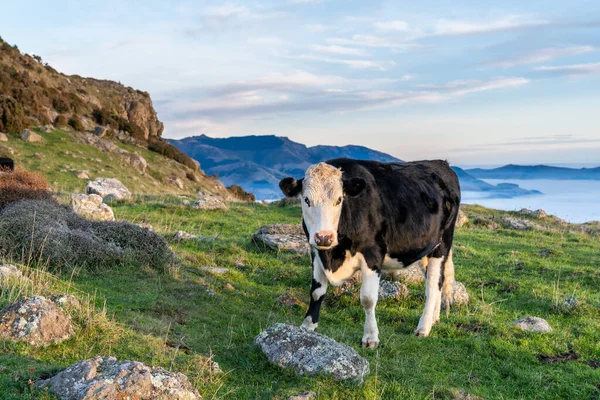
<point x="108" y="186"/>
<point x="485" y="222"/>
<point x="82" y="175"/>
<point x="92" y="207"/>
<point x="282" y="237"/>
<point x="412" y="274"/>
<point x="3" y="137"/>
<point x="100" y="131"/>
<point x="47" y="128"/>
<point x="181" y="236"/>
<point x="394" y="290"/>
<point x="136" y="161"/>
<point x="308" y="353"/>
<point x="8" y="271"/>
<point x="533" y="324"/>
<point x="35" y="320"/>
<point x="520" y="224"/>
<point x="462" y="219"/>
<point x="460" y="294"/>
<point x="539" y="213"/>
<point x="30" y="136"/>
<point x="209" y="202"/>
<point x="107" y="378"/>
<point x="173" y="180"/>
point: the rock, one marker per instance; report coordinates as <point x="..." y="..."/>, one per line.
<point x="107" y="378"/>
<point x="3" y="137"/>
<point x="519" y="224"/>
<point x="209" y="202"/>
<point x="229" y="286"/>
<point x="460" y="294"/>
<point x="66" y="301"/>
<point x="215" y="270"/>
<point x="303" y="396"/>
<point x="308" y="352"/>
<point x="101" y="144"/>
<point x="146" y="225"/>
<point x="485" y="222"/>
<point x="533" y="324"/>
<point x="47" y="128"/>
<point x="282" y="237"/>
<point x="539" y="213"/>
<point x="136" y="161"/>
<point x="8" y="271"/>
<point x="30" y="136"/>
<point x="92" y="207"/>
<point x="389" y="289"/>
<point x="108" y="186"/>
<point x="411" y="275"/>
<point x="37" y="156"/>
<point x="570" y="303"/>
<point x="173" y="180"/>
<point x="465" y="396"/>
<point x="35" y="320"/>
<point x="82" y="175"/>
<point x="289" y="301"/>
<point x="100" y="131"/>
<point x="181" y="236"/>
<point x="462" y="219"/>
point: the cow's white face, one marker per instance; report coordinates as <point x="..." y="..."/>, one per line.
<point x="322" y="192"/>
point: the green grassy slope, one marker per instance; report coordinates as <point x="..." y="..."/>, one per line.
<point x="169" y="319"/>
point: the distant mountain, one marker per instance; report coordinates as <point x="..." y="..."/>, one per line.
<point x="536" y="172"/>
<point x="258" y="163"/>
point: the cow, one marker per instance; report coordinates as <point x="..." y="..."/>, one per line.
<point x="376" y="217"/>
<point x="7" y="164"/>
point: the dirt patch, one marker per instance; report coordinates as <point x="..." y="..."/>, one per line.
<point x="570" y="355"/>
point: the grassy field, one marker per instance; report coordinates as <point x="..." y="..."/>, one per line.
<point x="168" y="318"/>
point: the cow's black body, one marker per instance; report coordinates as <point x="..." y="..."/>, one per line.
<point x="407" y="211"/>
<point x="7" y="164"/>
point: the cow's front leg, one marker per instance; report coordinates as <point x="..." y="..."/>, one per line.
<point x="317" y="294"/>
<point x="433" y="297"/>
<point x="369" y="293"/>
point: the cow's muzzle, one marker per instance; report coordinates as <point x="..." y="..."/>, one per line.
<point x="324" y="239"/>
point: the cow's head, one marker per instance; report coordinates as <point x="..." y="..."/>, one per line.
<point x="321" y="192"/>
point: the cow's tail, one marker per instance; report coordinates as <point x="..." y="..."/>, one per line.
<point x="448" y="284"/>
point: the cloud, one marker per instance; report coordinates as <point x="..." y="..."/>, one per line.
<point x="266" y="41"/>
<point x="572" y="70"/>
<point x="508" y="23"/>
<point x="300" y="2"/>
<point x="335" y="49"/>
<point x="541" y="55"/>
<point x="461" y="87"/>
<point x="230" y="17"/>
<point x="352" y="63"/>
<point x="392" y="26"/>
<point x="318" y="27"/>
<point x="365" y="41"/>
<point x="564" y="141"/>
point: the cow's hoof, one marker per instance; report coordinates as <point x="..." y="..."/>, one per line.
<point x="308" y="324"/>
<point x="370" y="343"/>
<point x="421" y="332"/>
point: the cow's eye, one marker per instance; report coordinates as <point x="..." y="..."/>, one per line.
<point x="338" y="201"/>
<point x="307" y="201"/>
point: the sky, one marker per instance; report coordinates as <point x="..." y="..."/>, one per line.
<point x="473" y="82"/>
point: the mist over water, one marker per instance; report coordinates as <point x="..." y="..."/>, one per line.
<point x="572" y="200"/>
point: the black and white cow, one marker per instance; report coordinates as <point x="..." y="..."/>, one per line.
<point x="372" y="216"/>
<point x="7" y="164"/>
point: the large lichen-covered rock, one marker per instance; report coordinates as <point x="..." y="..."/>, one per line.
<point x="520" y="224"/>
<point x="30" y="136"/>
<point x="460" y="294"/>
<point x="282" y="237"/>
<point x="308" y="353"/>
<point x="533" y="324"/>
<point x="107" y="378"/>
<point x="35" y="320"/>
<point x="108" y="186"/>
<point x="91" y="206"/>
<point x="413" y="274"/>
<point x="394" y="290"/>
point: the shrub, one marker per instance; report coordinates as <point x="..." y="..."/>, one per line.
<point x="239" y="193"/>
<point x="33" y="229"/>
<point x="76" y="124"/>
<point x="12" y="118"/>
<point x="61" y="121"/>
<point x="22" y="184"/>
<point x="168" y="150"/>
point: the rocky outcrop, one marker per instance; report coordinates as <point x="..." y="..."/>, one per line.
<point x="308" y="353"/>
<point x="136" y="161"/>
<point x="35" y="320"/>
<point x="520" y="224"/>
<point x="282" y="237"/>
<point x="395" y="290"/>
<point x="30" y="136"/>
<point x="107" y="378"/>
<point x="462" y="219"/>
<point x="108" y="186"/>
<point x="92" y="207"/>
<point x="209" y="202"/>
<point x="533" y="324"/>
<point x="539" y="213"/>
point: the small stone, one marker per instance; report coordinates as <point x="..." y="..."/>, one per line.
<point x="181" y="236"/>
<point x="3" y="137"/>
<point x="309" y="353"/>
<point x="394" y="290"/>
<point x="37" y="156"/>
<point x="30" y="136"/>
<point x="460" y="294"/>
<point x="303" y="396"/>
<point x="533" y="324"/>
<point x="100" y="131"/>
<point x="175" y="181"/>
<point x="229" y="286"/>
<point x="215" y="270"/>
<point x="288" y="301"/>
<point x="570" y="303"/>
<point x="8" y="271"/>
<point x="83" y="175"/>
<point x="66" y="301"/>
<point x="146" y="225"/>
<point x="47" y="128"/>
<point x="209" y="202"/>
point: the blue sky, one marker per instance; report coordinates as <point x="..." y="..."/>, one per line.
<point x="474" y="82"/>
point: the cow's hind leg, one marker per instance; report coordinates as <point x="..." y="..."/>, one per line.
<point x="369" y="293"/>
<point x="433" y="296"/>
<point x="317" y="294"/>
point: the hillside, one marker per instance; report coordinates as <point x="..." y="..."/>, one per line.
<point x="512" y="171"/>
<point x="188" y="317"/>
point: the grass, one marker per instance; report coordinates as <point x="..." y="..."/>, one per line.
<point x="169" y="319"/>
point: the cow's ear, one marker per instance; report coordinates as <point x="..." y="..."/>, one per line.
<point x="291" y="187"/>
<point x="354" y="186"/>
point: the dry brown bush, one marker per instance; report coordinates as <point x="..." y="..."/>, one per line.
<point x="22" y="184"/>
